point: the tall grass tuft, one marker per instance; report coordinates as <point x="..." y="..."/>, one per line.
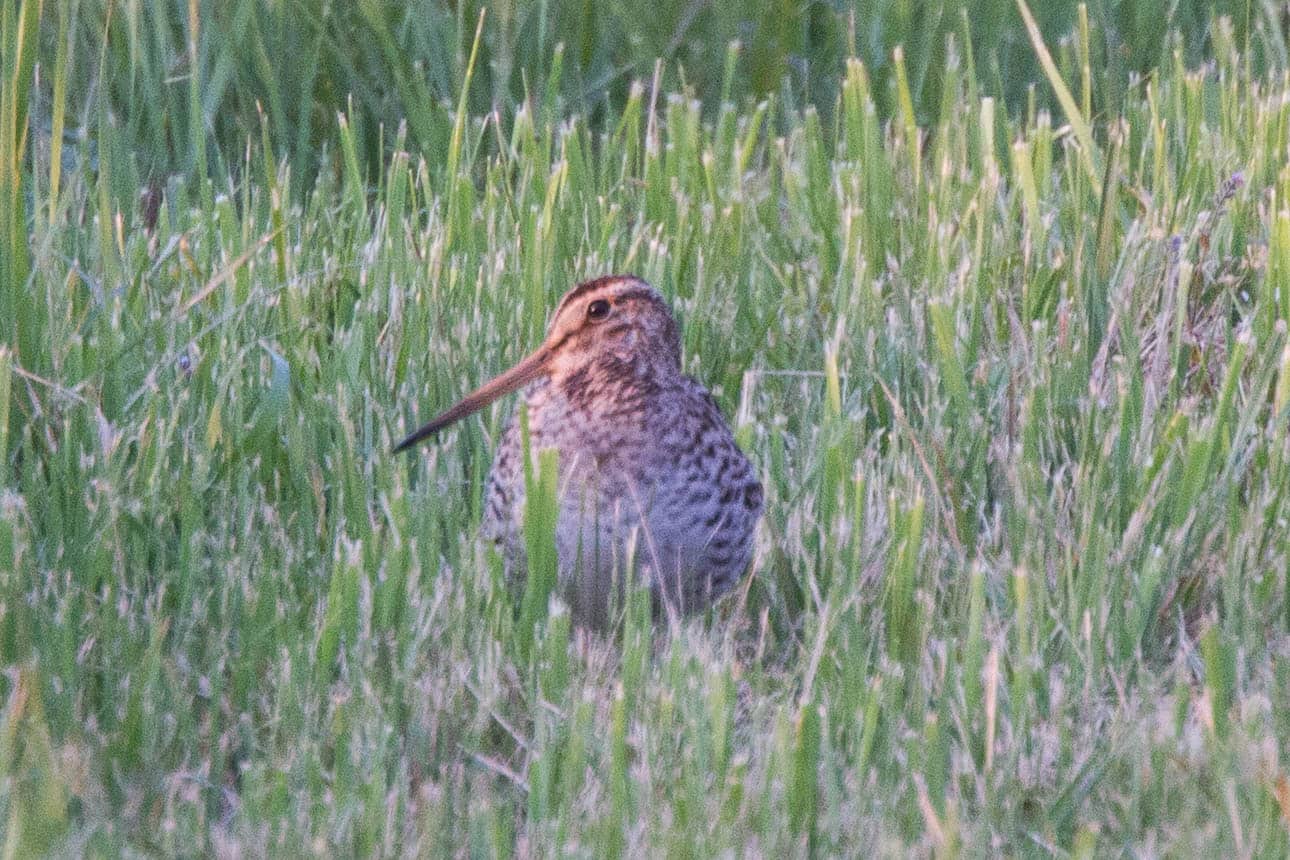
<point x="19" y="27"/>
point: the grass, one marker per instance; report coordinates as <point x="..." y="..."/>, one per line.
<point x="158" y="88"/>
<point x="1016" y="379"/>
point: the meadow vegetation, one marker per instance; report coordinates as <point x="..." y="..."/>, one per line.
<point x="995" y="295"/>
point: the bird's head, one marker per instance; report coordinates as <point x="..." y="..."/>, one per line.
<point x="617" y="326"/>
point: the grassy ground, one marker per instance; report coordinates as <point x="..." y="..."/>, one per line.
<point x="1017" y="384"/>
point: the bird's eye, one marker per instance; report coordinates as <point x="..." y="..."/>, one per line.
<point x="597" y="310"/>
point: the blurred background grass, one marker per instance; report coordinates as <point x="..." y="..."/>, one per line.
<point x="289" y="68"/>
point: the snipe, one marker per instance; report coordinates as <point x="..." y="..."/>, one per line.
<point x="645" y="458"/>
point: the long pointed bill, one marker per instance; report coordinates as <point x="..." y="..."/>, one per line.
<point x="517" y="377"/>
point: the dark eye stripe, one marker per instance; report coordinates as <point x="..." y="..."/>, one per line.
<point x="587" y="286"/>
<point x="641" y="295"/>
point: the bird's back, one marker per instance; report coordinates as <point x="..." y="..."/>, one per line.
<point x="655" y="471"/>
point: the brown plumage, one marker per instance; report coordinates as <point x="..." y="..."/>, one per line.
<point x="645" y="458"/>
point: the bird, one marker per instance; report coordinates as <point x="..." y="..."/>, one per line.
<point x="647" y="468"/>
